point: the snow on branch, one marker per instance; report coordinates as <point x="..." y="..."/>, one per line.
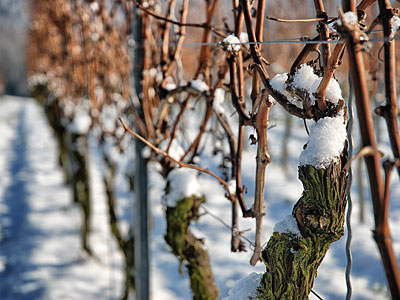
<point x="325" y="142"/>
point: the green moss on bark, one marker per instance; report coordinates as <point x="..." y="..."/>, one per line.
<point x="292" y="262"/>
<point x="189" y="249"/>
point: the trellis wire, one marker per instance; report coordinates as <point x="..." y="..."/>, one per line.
<point x="286" y="41"/>
<point x="348" y="191"/>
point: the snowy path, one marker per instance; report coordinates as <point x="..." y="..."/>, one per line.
<point x="40" y="255"/>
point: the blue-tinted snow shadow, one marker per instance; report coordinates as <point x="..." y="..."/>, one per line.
<point x="19" y="236"/>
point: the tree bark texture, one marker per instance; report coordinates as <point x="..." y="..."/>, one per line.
<point x="189" y="249"/>
<point x="292" y="261"/>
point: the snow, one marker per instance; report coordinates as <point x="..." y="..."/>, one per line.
<point x="349" y="17"/>
<point x="37" y="79"/>
<point x="94" y="6"/>
<point x="243" y="37"/>
<point x="278" y="83"/>
<point x="183" y="183"/>
<point x="395" y="24"/>
<point x="110" y="149"/>
<point x="232" y="43"/>
<point x="108" y="117"/>
<point x="288" y="225"/>
<point x="41" y="246"/>
<point x="81" y="122"/>
<point x="232" y="186"/>
<point x="218" y="104"/>
<point x="199" y="85"/>
<point x="170" y="86"/>
<point x="306" y="80"/>
<point x="325" y="143"/>
<point x="175" y="151"/>
<point x="245" y="288"/>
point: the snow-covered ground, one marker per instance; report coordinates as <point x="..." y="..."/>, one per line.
<point x="40" y="256"/>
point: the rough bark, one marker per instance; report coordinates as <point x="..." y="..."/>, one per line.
<point x="292" y="261"/>
<point x="189" y="249"/>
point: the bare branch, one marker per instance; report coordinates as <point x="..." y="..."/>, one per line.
<point x="205" y="26"/>
<point x="180" y="164"/>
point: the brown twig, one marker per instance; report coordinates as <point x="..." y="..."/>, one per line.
<point x="364" y="4"/>
<point x="178" y="48"/>
<point x="329" y="70"/>
<point x="262" y="159"/>
<point x="303" y="55"/>
<point x="179" y="163"/>
<point x="381" y="232"/>
<point x="280" y="98"/>
<point x="177" y="120"/>
<point x="323" y="30"/>
<point x="390" y="110"/>
<point x="364" y="151"/>
<point x="161" y="18"/>
<point x="165" y="34"/>
<point x="205" y="50"/>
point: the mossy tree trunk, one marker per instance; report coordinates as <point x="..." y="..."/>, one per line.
<point x="292" y="261"/>
<point x="189" y="249"/>
<point x="78" y="155"/>
<point x="126" y="245"/>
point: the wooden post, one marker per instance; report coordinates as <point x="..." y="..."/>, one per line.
<point x="142" y="257"/>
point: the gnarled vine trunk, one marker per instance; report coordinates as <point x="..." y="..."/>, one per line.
<point x="292" y="261"/>
<point x="189" y="249"/>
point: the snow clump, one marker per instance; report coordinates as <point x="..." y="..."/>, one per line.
<point x="199" y="85"/>
<point x="170" y="86"/>
<point x="395" y="24"/>
<point x="218" y="104"/>
<point x="245" y="288"/>
<point x="288" y="225"/>
<point x="37" y="79"/>
<point x="244" y="37"/>
<point x="325" y="143"/>
<point x="80" y="123"/>
<point x="278" y="83"/>
<point x="94" y="6"/>
<point x="231" y="43"/>
<point x="183" y="183"/>
<point x="349" y="17"/>
<point x="305" y="79"/>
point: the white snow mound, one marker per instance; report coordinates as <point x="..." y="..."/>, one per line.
<point x="325" y="143"/>
<point x="288" y="225"/>
<point x="245" y="288"/>
<point x="232" y="43"/>
<point x="183" y="183"/>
